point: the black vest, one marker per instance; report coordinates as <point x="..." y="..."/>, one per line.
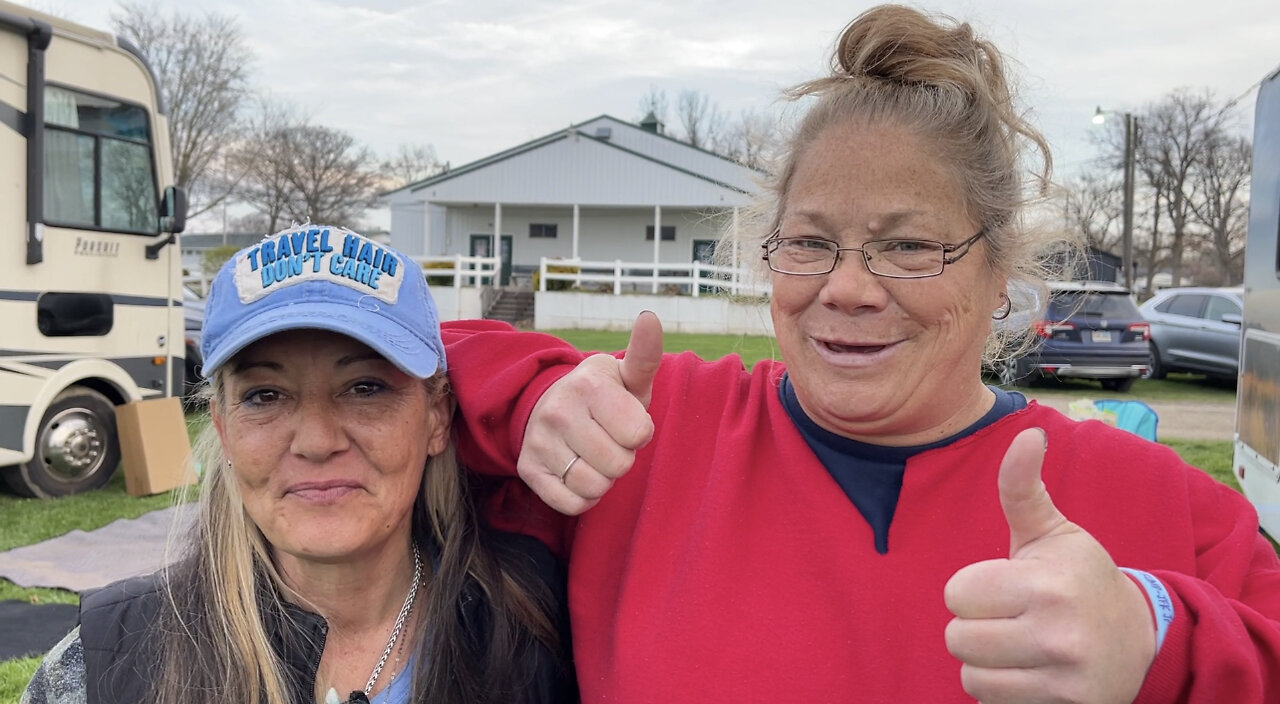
<point x="121" y="656"/>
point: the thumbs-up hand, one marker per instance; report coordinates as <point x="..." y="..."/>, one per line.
<point x="584" y="430"/>
<point x="1055" y="622"/>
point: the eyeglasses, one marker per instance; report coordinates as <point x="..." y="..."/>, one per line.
<point x="894" y="259"/>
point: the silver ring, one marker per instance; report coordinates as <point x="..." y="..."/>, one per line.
<point x="565" y="472"/>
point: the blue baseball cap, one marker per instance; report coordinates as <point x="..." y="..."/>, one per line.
<point x="324" y="278"/>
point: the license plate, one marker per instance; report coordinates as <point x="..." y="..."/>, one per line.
<point x="1101" y="336"/>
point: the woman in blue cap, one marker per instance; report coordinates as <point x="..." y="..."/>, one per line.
<point x="336" y="556"/>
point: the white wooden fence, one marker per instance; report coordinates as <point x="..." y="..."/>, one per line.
<point x="463" y="271"/>
<point x="697" y="277"/>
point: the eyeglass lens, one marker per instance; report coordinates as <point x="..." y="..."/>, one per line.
<point x="802" y="255"/>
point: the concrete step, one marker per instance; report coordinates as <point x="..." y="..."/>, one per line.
<point x="511" y="306"/>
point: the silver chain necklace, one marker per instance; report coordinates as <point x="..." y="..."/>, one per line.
<point x="391" y="642"/>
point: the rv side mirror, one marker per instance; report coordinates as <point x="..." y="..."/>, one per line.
<point x="1233" y="318"/>
<point x="173" y="210"/>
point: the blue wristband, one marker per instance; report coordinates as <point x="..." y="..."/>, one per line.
<point x="1161" y="604"/>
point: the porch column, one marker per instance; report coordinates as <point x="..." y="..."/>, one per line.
<point x="576" y="221"/>
<point x="737" y="252"/>
<point x="426" y="228"/>
<point x="657" y="240"/>
<point x="497" y="244"/>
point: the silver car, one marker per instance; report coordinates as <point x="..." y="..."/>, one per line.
<point x="1195" y="329"/>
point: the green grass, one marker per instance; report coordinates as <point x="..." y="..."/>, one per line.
<point x="27" y="521"/>
<point x="752" y="348"/>
<point x="14" y="675"/>
<point x="1213" y="456"/>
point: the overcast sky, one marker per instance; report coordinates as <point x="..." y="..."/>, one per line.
<point x="472" y="77"/>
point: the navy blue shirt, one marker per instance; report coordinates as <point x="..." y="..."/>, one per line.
<point x="871" y="475"/>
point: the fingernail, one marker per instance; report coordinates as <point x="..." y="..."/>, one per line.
<point x="1045" y="437"/>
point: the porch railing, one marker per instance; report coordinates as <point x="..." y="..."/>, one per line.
<point x="462" y="271"/>
<point x="692" y="277"/>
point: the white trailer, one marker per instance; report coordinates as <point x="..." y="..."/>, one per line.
<point x="90" y="291"/>
<point x="1257" y="443"/>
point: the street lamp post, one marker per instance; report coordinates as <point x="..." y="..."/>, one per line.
<point x="1130" y="153"/>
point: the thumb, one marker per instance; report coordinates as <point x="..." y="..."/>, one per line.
<point x="644" y="353"/>
<point x="1027" y="507"/>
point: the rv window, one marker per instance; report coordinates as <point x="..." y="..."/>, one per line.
<point x="127" y="189"/>
<point x="74" y="314"/>
<point x="97" y="164"/>
<point x="68" y="178"/>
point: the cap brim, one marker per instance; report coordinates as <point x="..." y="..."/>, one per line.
<point x="401" y="346"/>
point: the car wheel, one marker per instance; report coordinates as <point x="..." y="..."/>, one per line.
<point x="77" y="449"/>
<point x="1121" y="385"/>
<point x="1158" y="370"/>
<point x="1015" y="373"/>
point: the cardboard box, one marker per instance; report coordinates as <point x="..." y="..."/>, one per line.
<point x="154" y="446"/>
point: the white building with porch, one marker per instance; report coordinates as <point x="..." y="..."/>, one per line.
<point x="591" y="196"/>
<point x="597" y="190"/>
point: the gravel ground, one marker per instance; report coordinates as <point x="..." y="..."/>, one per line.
<point x="1188" y="420"/>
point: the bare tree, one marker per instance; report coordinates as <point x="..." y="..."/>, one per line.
<point x="410" y="164"/>
<point x="1174" y="138"/>
<point x="202" y="64"/>
<point x="1221" y="204"/>
<point x="263" y="157"/>
<point x="1091" y="205"/>
<point x="750" y="140"/>
<point x="700" y="119"/>
<point x="335" y="178"/>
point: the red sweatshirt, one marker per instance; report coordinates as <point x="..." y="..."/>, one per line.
<point x="728" y="566"/>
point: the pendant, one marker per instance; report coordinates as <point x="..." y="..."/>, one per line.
<point x="356" y="697"/>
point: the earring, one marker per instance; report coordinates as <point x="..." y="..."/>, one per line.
<point x="1005" y="308"/>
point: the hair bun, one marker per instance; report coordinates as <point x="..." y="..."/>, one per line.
<point x="902" y="45"/>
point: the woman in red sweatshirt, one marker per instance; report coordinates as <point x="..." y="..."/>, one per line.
<point x="870" y="522"/>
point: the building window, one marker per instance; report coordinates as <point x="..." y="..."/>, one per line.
<point x="543" y="230"/>
<point x="668" y="233"/>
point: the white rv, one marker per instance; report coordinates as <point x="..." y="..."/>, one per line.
<point x="1257" y="445"/>
<point x="90" y="290"/>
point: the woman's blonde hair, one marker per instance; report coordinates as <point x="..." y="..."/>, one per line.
<point x="931" y="75"/>
<point x="214" y="646"/>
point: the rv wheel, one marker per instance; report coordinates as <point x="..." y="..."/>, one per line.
<point x="76" y="447"/>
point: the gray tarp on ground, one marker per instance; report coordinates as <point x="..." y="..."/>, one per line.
<point x="83" y="560"/>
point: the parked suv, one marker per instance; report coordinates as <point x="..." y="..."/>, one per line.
<point x="1090" y="330"/>
<point x="1195" y="330"/>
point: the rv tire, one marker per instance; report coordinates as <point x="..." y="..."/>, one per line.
<point x="77" y="448"/>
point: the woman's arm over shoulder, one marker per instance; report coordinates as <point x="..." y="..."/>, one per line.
<point x="60" y="679"/>
<point x="498" y="373"/>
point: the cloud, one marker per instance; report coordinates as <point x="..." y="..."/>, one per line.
<point x="472" y="77"/>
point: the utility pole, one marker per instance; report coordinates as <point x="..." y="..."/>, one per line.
<point x="1130" y="154"/>
<point x="1130" y="165"/>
